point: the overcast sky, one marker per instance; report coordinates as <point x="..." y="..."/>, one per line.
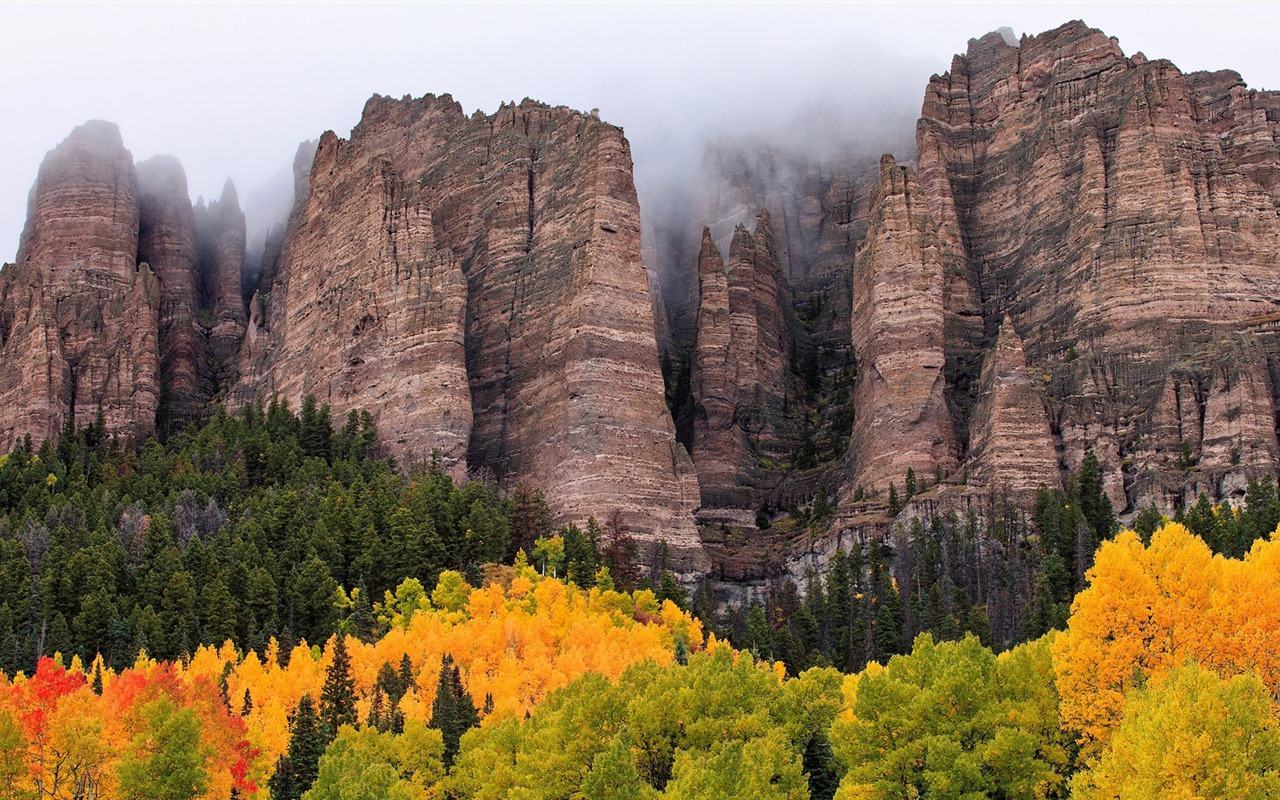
<point x="231" y="88"/>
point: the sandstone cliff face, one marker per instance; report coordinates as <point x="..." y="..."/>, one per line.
<point x="535" y="210"/>
<point x="1011" y="446"/>
<point x="167" y="242"/>
<point x="220" y="234"/>
<point x="125" y="301"/>
<point x="79" y="318"/>
<point x="744" y="409"/>
<point x="898" y="340"/>
<point x="1122" y="215"/>
<point x="373" y="313"/>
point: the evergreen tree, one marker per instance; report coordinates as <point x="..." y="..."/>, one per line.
<point x="315" y="434"/>
<point x="888" y="626"/>
<point x="453" y="713"/>
<point x="839" y="611"/>
<point x="669" y="589"/>
<point x="530" y="517"/>
<point x="821" y="768"/>
<point x="338" y="697"/>
<point x="297" y="770"/>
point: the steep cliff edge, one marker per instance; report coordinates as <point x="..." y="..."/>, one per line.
<point x="478" y="282"/>
<point x="78" y="313"/>
<point x="167" y="241"/>
<point x="1121" y="215"/>
<point x="902" y="418"/>
<point x="125" y="302"/>
<point x="746" y="419"/>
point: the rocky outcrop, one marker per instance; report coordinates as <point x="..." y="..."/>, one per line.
<point x="167" y="242"/>
<point x="79" y="313"/>
<point x="1011" y="446"/>
<point x="373" y="313"/>
<point x="1122" y="215"/>
<point x="818" y="206"/>
<point x="526" y="221"/>
<point x="220" y="234"/>
<point x="898" y="340"/>
<point x="744" y="417"/>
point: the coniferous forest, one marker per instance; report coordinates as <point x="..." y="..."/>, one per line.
<point x="266" y="606"/>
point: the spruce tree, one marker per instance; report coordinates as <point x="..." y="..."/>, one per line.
<point x="338" y="698"/>
<point x="453" y="713"/>
<point x="888" y="625"/>
<point x="297" y="769"/>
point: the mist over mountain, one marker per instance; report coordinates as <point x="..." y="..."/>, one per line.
<point x="231" y="92"/>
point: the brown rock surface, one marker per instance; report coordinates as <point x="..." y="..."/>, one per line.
<point x="373" y="314"/>
<point x="167" y="241"/>
<point x="898" y="323"/>
<point x="744" y="426"/>
<point x="79" y="315"/>
<point x="1122" y="215"/>
<point x="1011" y="446"/>
<point x="220" y="236"/>
<point x="536" y="207"/>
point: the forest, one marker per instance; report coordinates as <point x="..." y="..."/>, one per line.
<point x="266" y="606"/>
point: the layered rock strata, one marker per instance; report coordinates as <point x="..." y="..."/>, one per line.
<point x="442" y="255"/>
<point x="125" y="302"/>
<point x="903" y="422"/>
<point x="167" y="242"/>
<point x="1123" y="216"/>
<point x="744" y="409"/>
<point x="78" y="313"/>
<point x="1011" y="445"/>
<point x="373" y="313"/>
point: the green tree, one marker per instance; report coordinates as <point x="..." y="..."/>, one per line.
<point x="952" y="721"/>
<point x="453" y="712"/>
<point x="371" y="765"/>
<point x="296" y="771"/>
<point x="166" y="759"/>
<point x="15" y="780"/>
<point x="338" y="697"/>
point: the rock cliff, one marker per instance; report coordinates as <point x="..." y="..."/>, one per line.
<point x="743" y="388"/>
<point x="78" y="313"/>
<point x="899" y="317"/>
<point x="1011" y="445"/>
<point x="1122" y="215"/>
<point x="1085" y="255"/>
<point x="167" y="242"/>
<point x="476" y="281"/>
<point x="220" y="235"/>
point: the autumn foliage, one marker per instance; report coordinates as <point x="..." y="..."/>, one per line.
<point x="225" y="714"/>
<point x="1149" y="609"/>
<point x="151" y="719"/>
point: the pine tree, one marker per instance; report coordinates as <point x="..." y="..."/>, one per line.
<point x="530" y="517"/>
<point x="888" y="626"/>
<point x="453" y="713"/>
<point x="297" y="770"/>
<point x="759" y="633"/>
<point x="338" y="698"/>
<point x="821" y="768"/>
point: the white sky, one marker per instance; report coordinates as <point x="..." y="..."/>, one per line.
<point x="231" y="88"/>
